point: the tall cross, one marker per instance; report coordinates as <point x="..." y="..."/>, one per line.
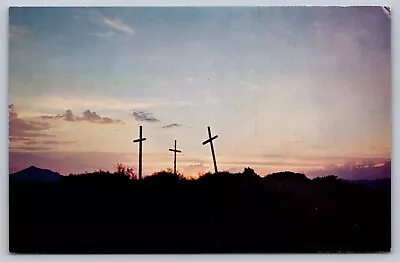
<point x="140" y="139"/>
<point x="175" y="150"/>
<point x="210" y="140"/>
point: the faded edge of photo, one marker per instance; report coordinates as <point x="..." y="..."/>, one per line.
<point x="394" y="256"/>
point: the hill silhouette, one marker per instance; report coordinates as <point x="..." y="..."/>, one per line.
<point x="35" y="174"/>
<point x="382" y="184"/>
<point x="287" y="177"/>
<point x="104" y="212"/>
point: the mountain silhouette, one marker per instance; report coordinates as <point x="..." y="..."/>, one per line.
<point x="35" y="174"/>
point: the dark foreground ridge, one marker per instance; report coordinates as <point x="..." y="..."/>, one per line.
<point x="217" y="213"/>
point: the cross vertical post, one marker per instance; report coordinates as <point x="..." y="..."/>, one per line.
<point x="140" y="139"/>
<point x="140" y="153"/>
<point x="175" y="158"/>
<point x="210" y="140"/>
<point x="175" y="151"/>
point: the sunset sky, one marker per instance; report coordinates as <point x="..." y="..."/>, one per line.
<point x="295" y="88"/>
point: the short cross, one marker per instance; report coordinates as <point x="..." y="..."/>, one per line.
<point x="140" y="139"/>
<point x="175" y="151"/>
<point x="210" y="140"/>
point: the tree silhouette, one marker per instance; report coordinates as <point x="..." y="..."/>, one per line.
<point x="124" y="170"/>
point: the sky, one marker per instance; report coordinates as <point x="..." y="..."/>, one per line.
<point x="305" y="89"/>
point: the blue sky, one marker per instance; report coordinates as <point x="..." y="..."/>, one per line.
<point x="283" y="87"/>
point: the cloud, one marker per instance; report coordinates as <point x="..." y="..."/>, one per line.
<point x="91" y="116"/>
<point x="268" y="163"/>
<point x="103" y="34"/>
<point x="249" y="86"/>
<point x="31" y="142"/>
<point x="87" y="116"/>
<point x="18" y="139"/>
<point x="117" y="24"/>
<point x="48" y="142"/>
<point x="45" y="103"/>
<point x="194" y="170"/>
<point x="153" y="57"/>
<point x="97" y="18"/>
<point x="22" y="129"/>
<point x="317" y="158"/>
<point x="69" y="116"/>
<point x="28" y="135"/>
<point x="366" y="169"/>
<point x="144" y="116"/>
<point x="234" y="170"/>
<point x="172" y="125"/>
<point x="52" y="117"/>
<point x="32" y="148"/>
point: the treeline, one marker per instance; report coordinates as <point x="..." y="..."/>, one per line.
<point x="104" y="212"/>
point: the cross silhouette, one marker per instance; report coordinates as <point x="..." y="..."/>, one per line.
<point x="175" y="151"/>
<point x="140" y="139"/>
<point x="210" y="140"/>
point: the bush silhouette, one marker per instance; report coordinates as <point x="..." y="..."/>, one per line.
<point x="165" y="175"/>
<point x="104" y="212"/>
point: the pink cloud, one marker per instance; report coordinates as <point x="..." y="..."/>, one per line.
<point x="367" y="169"/>
<point x="194" y="169"/>
<point x="21" y="129"/>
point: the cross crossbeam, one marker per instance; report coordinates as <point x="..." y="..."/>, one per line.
<point x="178" y="151"/>
<point x="175" y="151"/>
<point x="140" y="140"/>
<point x="210" y="140"/>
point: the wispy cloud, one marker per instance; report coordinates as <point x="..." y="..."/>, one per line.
<point x="144" y="116"/>
<point x="172" y="125"/>
<point x="87" y="116"/>
<point x="32" y="148"/>
<point x="49" y="103"/>
<point x="117" y="24"/>
<point x="103" y="34"/>
<point x="250" y="86"/>
<point x="193" y="170"/>
<point x="96" y="17"/>
<point x="153" y="57"/>
<point x="48" y="142"/>
<point x="269" y="163"/>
